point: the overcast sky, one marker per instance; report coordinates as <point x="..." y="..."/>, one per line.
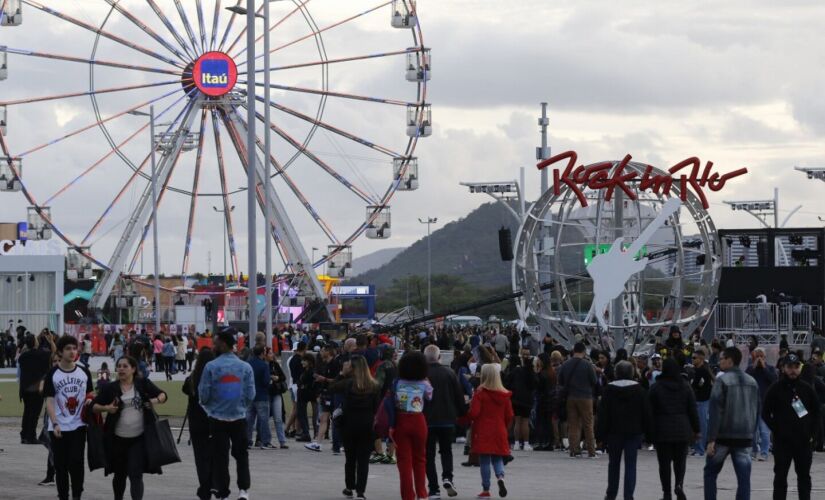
<point x="736" y="82"/>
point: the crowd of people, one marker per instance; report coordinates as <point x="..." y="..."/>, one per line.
<point x="501" y="391"/>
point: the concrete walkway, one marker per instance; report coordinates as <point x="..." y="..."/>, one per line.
<point x="300" y="474"/>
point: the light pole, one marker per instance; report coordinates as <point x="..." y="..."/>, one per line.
<point x="429" y="221"/>
<point x="250" y="144"/>
<point x="251" y="178"/>
<point x="225" y="243"/>
<point x="151" y="116"/>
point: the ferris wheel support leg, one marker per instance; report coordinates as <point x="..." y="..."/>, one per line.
<point x="297" y="257"/>
<point x="141" y="214"/>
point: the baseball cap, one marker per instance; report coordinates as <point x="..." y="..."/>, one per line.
<point x="656" y="356"/>
<point x="792" y="359"/>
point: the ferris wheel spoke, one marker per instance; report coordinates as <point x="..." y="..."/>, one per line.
<point x="201" y="24"/>
<point x="311" y="156"/>
<point x="86" y="93"/>
<point x="243" y="30"/>
<point x="94" y="124"/>
<point x="96" y="164"/>
<point x="240" y="149"/>
<point x="146" y="29"/>
<point x="322" y="30"/>
<point x="93" y="29"/>
<point x="296" y="191"/>
<point x="341" y="60"/>
<point x="333" y="129"/>
<point x="170" y="27"/>
<point x="187" y="25"/>
<point x="228" y="29"/>
<point x="97" y="62"/>
<point x="161" y="195"/>
<point x="342" y="95"/>
<point x="271" y="28"/>
<point x="117" y="198"/>
<point x="216" y="17"/>
<point x="131" y="180"/>
<point x="194" y="201"/>
<point x="227" y="211"/>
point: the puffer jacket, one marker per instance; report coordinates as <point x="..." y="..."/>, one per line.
<point x="675" y="419"/>
<point x="734" y="407"/>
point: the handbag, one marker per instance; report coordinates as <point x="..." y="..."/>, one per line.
<point x="159" y="443"/>
<point x="95" y="447"/>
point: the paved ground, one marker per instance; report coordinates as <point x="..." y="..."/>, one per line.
<point x="298" y="474"/>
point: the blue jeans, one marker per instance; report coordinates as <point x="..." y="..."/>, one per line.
<point x="702" y="408"/>
<point x="259" y="409"/>
<point x="762" y="436"/>
<point x="618" y="444"/>
<point x="276" y="407"/>
<point x="498" y="465"/>
<point x="741" y="458"/>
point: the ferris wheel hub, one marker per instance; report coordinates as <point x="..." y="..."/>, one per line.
<point x="214" y="74"/>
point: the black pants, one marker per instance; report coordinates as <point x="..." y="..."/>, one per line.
<point x="358" y="445"/>
<point x="169" y="365"/>
<point x="222" y="434"/>
<point x="69" y="450"/>
<point x="32" y="406"/>
<point x="202" y="450"/>
<point x="667" y="454"/>
<point x="544" y="427"/>
<point x="444" y="437"/>
<point x="128" y="459"/>
<point x="802" y="456"/>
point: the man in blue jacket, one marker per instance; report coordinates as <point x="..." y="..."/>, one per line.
<point x="226" y="389"/>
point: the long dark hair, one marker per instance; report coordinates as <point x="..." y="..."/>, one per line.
<point x="205" y="355"/>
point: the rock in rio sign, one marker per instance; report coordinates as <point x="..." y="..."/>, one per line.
<point x="598" y="176"/>
<point x="215" y="74"/>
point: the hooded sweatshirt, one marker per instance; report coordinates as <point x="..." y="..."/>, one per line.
<point x="624" y="410"/>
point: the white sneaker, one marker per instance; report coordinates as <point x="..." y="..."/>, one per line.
<point x="243" y="495"/>
<point x="527" y="447"/>
<point x="461" y="440"/>
<point x="313" y="446"/>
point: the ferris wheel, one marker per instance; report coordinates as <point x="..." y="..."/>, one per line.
<point x="349" y="104"/>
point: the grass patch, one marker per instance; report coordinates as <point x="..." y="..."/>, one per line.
<point x="175" y="406"/>
<point x="11" y="406"/>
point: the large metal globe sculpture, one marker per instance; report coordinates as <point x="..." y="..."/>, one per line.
<point x="671" y="278"/>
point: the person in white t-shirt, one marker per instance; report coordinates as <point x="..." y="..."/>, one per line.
<point x="66" y="389"/>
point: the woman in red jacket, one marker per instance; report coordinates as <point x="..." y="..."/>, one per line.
<point x="491" y="414"/>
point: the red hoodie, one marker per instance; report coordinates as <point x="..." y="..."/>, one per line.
<point x="491" y="414"/>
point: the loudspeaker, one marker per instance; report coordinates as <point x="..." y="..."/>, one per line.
<point x="505" y="244"/>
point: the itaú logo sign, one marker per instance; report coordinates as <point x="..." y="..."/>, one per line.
<point x="215" y="74"/>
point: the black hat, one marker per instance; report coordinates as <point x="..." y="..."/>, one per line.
<point x="792" y="359"/>
<point x="227" y="336"/>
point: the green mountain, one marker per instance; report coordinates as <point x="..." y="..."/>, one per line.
<point x="466" y="248"/>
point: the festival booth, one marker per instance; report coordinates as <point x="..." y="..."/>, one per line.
<point x="31" y="289"/>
